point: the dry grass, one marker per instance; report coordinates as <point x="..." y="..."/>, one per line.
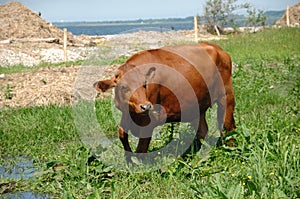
<point x="41" y="87"/>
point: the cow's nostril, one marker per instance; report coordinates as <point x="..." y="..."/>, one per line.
<point x="146" y="107"/>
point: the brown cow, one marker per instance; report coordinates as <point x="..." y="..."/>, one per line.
<point x="172" y="84"/>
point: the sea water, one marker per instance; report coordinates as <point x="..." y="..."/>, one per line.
<point x="112" y="29"/>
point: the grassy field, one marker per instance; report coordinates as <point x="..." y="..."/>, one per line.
<point x="264" y="163"/>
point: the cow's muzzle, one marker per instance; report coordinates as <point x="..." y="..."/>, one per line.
<point x="146" y="107"/>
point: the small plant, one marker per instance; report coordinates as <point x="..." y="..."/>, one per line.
<point x="255" y="17"/>
<point x="122" y="59"/>
<point x="8" y="92"/>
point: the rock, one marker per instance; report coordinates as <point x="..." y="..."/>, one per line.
<point x="6" y="41"/>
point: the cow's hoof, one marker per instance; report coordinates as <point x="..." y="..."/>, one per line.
<point x="226" y="142"/>
<point x="230" y="142"/>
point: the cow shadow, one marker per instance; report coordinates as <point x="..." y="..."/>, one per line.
<point x="172" y="140"/>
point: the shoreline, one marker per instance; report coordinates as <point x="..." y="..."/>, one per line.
<point x="34" y="51"/>
<point x="75" y="24"/>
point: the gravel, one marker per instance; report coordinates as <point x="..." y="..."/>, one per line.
<point x="11" y="58"/>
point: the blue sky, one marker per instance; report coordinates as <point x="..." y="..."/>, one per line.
<point x="103" y="10"/>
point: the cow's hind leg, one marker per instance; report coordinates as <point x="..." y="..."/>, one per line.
<point x="221" y="115"/>
<point x="225" y="114"/>
<point x="229" y="123"/>
<point x="226" y="109"/>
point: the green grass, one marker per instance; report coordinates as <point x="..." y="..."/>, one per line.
<point x="264" y="163"/>
<point x="102" y="60"/>
<point x="271" y="45"/>
<point x="21" y="68"/>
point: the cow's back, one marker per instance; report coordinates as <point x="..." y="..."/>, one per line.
<point x="189" y="60"/>
<point x="193" y="68"/>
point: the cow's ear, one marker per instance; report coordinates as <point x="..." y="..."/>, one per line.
<point x="104" y="85"/>
<point x="151" y="73"/>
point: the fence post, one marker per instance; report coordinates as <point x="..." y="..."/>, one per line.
<point x="65" y="45"/>
<point x="288" y="16"/>
<point x="196" y="28"/>
<point x="217" y="30"/>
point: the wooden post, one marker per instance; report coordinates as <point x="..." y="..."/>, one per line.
<point x="65" y="45"/>
<point x="288" y="15"/>
<point x="217" y="30"/>
<point x="196" y="28"/>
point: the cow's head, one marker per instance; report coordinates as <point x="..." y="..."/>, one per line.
<point x="131" y="88"/>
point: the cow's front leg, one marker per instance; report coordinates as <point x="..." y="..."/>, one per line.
<point x="123" y="135"/>
<point x="142" y="148"/>
<point x="143" y="145"/>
